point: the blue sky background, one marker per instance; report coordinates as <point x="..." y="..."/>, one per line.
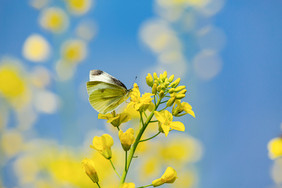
<point x="238" y="111"/>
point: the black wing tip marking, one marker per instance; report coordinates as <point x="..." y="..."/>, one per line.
<point x="116" y="81"/>
<point x="96" y="72"/>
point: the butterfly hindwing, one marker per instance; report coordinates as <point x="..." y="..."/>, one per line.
<point x="105" y="97"/>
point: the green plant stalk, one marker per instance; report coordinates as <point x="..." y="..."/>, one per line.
<point x="114" y="167"/>
<point x="98" y="185"/>
<point x="134" y="146"/>
<point x="145" y="186"/>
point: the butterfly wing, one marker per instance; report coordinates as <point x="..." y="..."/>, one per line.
<point x="105" y="97"/>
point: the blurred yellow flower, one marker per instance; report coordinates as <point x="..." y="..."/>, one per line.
<point x="36" y="48"/>
<point x="150" y="167"/>
<point x="89" y="168"/>
<point x="180" y="149"/>
<point x="128" y="185"/>
<point x="11" y="143"/>
<point x="74" y="51"/>
<point x="184" y="106"/>
<point x="165" y="118"/>
<point x="54" y="19"/>
<point x="139" y="103"/>
<point x="79" y="7"/>
<point x="275" y="148"/>
<point x="103" y="145"/>
<point x="115" y="119"/>
<point x="13" y="84"/>
<point x="26" y="169"/>
<point x="169" y="176"/>
<point x="126" y="138"/>
<point x="186" y="179"/>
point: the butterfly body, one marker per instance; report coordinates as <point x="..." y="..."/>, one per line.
<point x="105" y="92"/>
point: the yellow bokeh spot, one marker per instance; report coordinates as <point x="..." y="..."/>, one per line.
<point x="11" y="143"/>
<point x="150" y="168"/>
<point x="74" y="51"/>
<point x="26" y="169"/>
<point x="181" y="150"/>
<point x="79" y="6"/>
<point x="54" y="19"/>
<point x="186" y="179"/>
<point x="275" y="148"/>
<point x="36" y="48"/>
<point x="12" y="84"/>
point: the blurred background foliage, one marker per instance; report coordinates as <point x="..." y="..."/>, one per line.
<point x="226" y="52"/>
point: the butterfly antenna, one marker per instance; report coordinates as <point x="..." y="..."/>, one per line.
<point x="133" y="83"/>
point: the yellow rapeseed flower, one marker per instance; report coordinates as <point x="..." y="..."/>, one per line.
<point x="115" y="119"/>
<point x="169" y="176"/>
<point x="103" y="145"/>
<point x="89" y="168"/>
<point x="79" y="7"/>
<point x="36" y="48"/>
<point x="126" y="138"/>
<point x="54" y="19"/>
<point x="128" y="185"/>
<point x="140" y="103"/>
<point x="165" y="119"/>
<point x="275" y="148"/>
<point x="74" y="51"/>
<point x="182" y="107"/>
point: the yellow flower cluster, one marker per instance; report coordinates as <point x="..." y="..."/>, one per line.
<point x="166" y="93"/>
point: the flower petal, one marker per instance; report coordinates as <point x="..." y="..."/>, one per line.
<point x="177" y="125"/>
<point x="165" y="129"/>
<point x="159" y="116"/>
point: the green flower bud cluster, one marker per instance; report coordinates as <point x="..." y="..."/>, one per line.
<point x="163" y="85"/>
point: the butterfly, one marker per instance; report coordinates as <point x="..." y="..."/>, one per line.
<point x="105" y="92"/>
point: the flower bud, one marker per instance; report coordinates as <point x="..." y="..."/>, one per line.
<point x="171" y="90"/>
<point x="169" y="176"/>
<point x="89" y="168"/>
<point x="183" y="91"/>
<point x="180" y="96"/>
<point x="103" y="145"/>
<point x="155" y="76"/>
<point x="179" y="88"/>
<point x="161" y="94"/>
<point x="170" y="101"/>
<point x="149" y="80"/>
<point x="175" y="83"/>
<point x="165" y="74"/>
<point x="159" y="88"/>
<point x="161" y="77"/>
<point x="126" y="138"/>
<point x="154" y="89"/>
<point x="171" y="78"/>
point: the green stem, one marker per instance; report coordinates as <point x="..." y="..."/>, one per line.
<point x="164" y="102"/>
<point x="141" y="118"/>
<point x="114" y="167"/>
<point x="134" y="146"/>
<point x="150" y="137"/>
<point x="118" y="128"/>
<point x="163" y="108"/>
<point x="145" y="186"/>
<point x="125" y="164"/>
<point x="98" y="184"/>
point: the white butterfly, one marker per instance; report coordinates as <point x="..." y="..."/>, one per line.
<point x="105" y="92"/>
